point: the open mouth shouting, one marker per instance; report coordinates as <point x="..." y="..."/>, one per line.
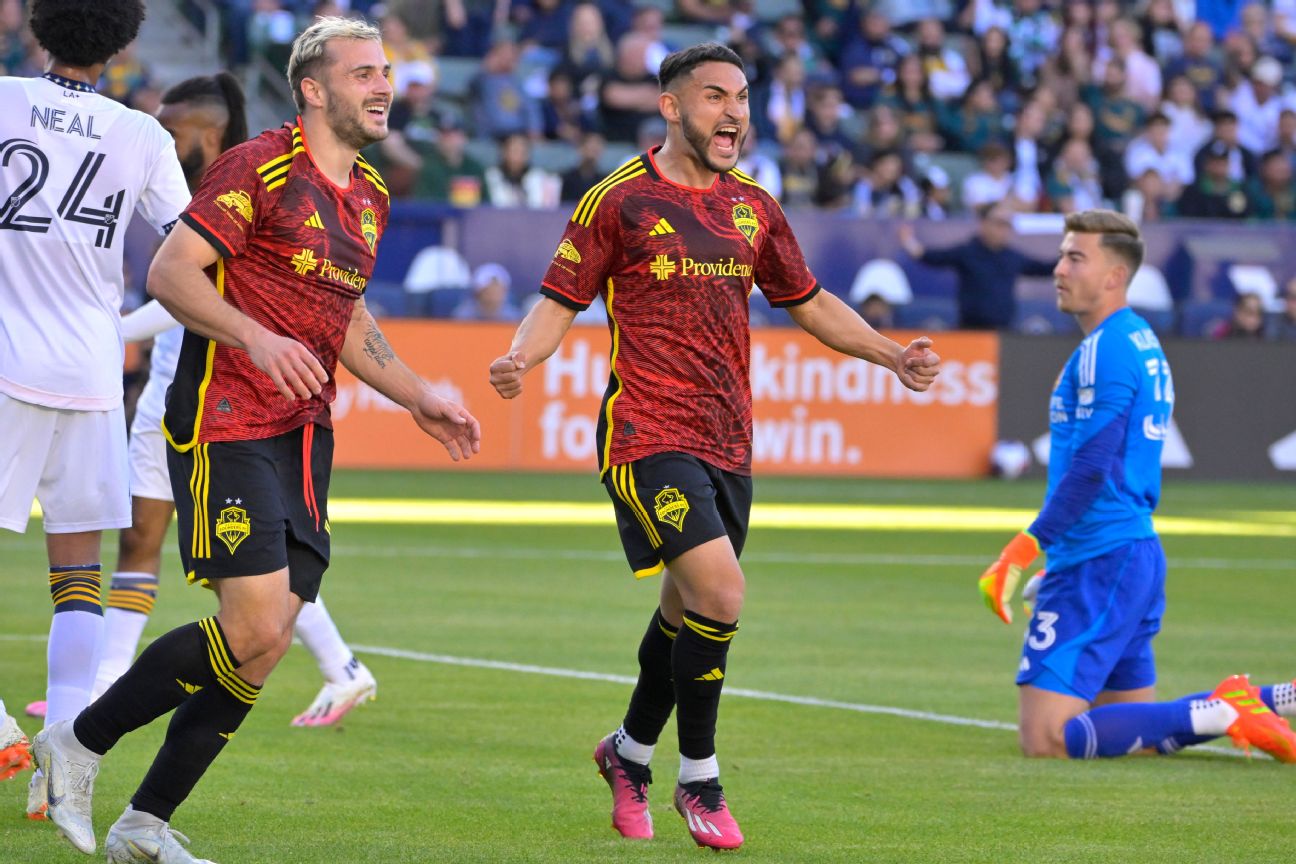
<point x="726" y="140"/>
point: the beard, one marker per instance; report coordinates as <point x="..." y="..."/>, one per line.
<point x="701" y="143"/>
<point x="193" y="164"/>
<point x="348" y="128"/>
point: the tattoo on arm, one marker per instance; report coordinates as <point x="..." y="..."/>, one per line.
<point x="376" y="347"/>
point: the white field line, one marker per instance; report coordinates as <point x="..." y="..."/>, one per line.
<point x="739" y="692"/>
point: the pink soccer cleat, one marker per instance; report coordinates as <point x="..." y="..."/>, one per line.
<point x="629" y="784"/>
<point x="336" y="699"/>
<point x="702" y="804"/>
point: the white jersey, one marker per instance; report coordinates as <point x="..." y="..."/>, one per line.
<point x="74" y="167"/>
<point x="162" y="368"/>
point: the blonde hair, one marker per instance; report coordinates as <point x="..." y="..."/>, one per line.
<point x="1118" y="234"/>
<point x="308" y="49"/>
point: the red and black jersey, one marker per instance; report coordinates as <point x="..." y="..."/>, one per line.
<point x="675" y="266"/>
<point x="296" y="251"/>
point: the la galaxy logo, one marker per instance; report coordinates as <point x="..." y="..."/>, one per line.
<point x="369" y="228"/>
<point x="233" y="527"/>
<point x="745" y="221"/>
<point x="238" y="201"/>
<point x="671" y="507"/>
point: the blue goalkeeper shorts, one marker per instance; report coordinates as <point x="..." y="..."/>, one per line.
<point x="1093" y="624"/>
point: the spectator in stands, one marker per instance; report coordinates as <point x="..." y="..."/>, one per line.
<point x="515" y="182"/>
<point x="125" y="75"/>
<point x="1142" y="74"/>
<point x="1225" y="128"/>
<point x="648" y="22"/>
<point x="789" y="39"/>
<point x="977" y="122"/>
<point x="1117" y="119"/>
<point x="466" y="26"/>
<point x="1151" y="151"/>
<point x="1214" y="194"/>
<point x="785" y="110"/>
<point x="709" y="11"/>
<point x="409" y="57"/>
<point x="831" y="23"/>
<point x="1033" y="37"/>
<point x="561" y="113"/>
<point x="869" y="59"/>
<point x="651" y="134"/>
<point x="587" y="172"/>
<point x="588" y="54"/>
<point x="1189" y="126"/>
<point x="947" y="73"/>
<point x="629" y="94"/>
<point x="1068" y="71"/>
<point x="992" y="181"/>
<point x="543" y="23"/>
<point x="490" y="300"/>
<point x="1074" y="184"/>
<point x="501" y="105"/>
<point x="1146" y="199"/>
<point x="912" y="101"/>
<point x="935" y="187"/>
<point x="1287" y="135"/>
<point x="12" y="50"/>
<point x="877" y="311"/>
<point x="1198" y="64"/>
<point x="1272" y="194"/>
<point x="413" y="126"/>
<point x="1246" y="322"/>
<point x="800" y="172"/>
<point x="1029" y="155"/>
<point x="987" y="268"/>
<point x="271" y="30"/>
<point x="1283" y="325"/>
<point x="828" y="118"/>
<point x="1257" y="104"/>
<point x="1259" y="28"/>
<point x="1240" y="54"/>
<point x="449" y="174"/>
<point x="996" y="67"/>
<point x="885" y="191"/>
<point x="1163" y="38"/>
<point x="760" y="166"/>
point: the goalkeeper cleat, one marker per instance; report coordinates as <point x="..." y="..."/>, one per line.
<point x="69" y="786"/>
<point x="1256" y="725"/>
<point x="139" y="837"/>
<point x="629" y="784"/>
<point x="336" y="699"/>
<point x="15" y="749"/>
<point x="37" y="709"/>
<point x="703" y="806"/>
<point x="37" y="805"/>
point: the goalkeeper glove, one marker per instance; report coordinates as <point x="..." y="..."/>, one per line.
<point x="999" y="581"/>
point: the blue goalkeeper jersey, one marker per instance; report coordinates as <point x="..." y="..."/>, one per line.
<point x="1108" y="417"/>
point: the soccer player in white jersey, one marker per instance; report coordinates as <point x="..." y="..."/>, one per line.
<point x="206" y="116"/>
<point x="74" y="166"/>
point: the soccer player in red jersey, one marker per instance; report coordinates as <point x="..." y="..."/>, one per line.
<point x="267" y="272"/>
<point x="674" y="241"/>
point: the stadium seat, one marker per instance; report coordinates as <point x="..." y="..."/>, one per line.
<point x="928" y="313"/>
<point x="455" y="74"/>
<point x="1148" y="290"/>
<point x="436" y="268"/>
<point x="882" y="277"/>
<point x="1042" y="317"/>
<point x="1201" y="318"/>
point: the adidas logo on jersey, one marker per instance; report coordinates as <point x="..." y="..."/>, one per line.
<point x="662" y="227"/>
<point x="314" y="221"/>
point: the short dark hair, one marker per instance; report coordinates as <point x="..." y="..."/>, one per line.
<point x="1118" y="233"/>
<point x="221" y="90"/>
<point x="680" y="63"/>
<point x="85" y="33"/>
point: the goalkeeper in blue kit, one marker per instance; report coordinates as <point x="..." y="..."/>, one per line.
<point x="1087" y="677"/>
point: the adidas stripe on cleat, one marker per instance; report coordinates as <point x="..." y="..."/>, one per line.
<point x="1256" y="725"/>
<point x="629" y="784"/>
<point x="703" y="806"/>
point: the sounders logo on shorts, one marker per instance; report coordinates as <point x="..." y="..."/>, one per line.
<point x="233" y="527"/>
<point x="671" y="507"/>
<point x="664" y="267"/>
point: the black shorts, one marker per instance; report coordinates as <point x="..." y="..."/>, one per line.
<point x="669" y="503"/>
<point x="250" y="507"/>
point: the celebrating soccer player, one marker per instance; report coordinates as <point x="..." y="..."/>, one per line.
<point x="1087" y="674"/>
<point x="674" y="241"/>
<point x="267" y="272"/>
<point x="74" y="166"/>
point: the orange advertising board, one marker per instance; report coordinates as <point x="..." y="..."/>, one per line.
<point x="816" y="411"/>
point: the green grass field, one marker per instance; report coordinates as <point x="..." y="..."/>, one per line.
<point x="472" y="762"/>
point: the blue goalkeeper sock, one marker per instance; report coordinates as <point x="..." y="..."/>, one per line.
<point x="1121" y="729"/>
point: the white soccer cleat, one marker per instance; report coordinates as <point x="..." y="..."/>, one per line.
<point x="134" y="839"/>
<point x="15" y="749"/>
<point x="69" y="787"/>
<point x="336" y="699"/>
